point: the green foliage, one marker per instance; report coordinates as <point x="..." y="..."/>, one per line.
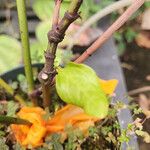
<point x="44" y="9"/>
<point x="10" y="51"/>
<point x="2" y="132"/>
<point x="147" y="4"/>
<point x="52" y="142"/>
<point x="97" y="5"/>
<point x="120" y="42"/>
<point x="22" y="82"/>
<point x="124" y="137"/>
<point x="11" y="108"/>
<point x="75" y="138"/>
<point x="17" y="146"/>
<point x="130" y="35"/>
<point x="78" y="84"/>
<point x="144" y="134"/>
<point x="41" y="32"/>
<point x="3" y="146"/>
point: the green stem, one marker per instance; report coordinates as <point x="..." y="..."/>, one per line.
<point x="10" y="90"/>
<point x="21" y="9"/>
<point x="13" y="120"/>
<point x="55" y="36"/>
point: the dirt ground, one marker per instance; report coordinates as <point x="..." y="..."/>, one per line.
<point x="136" y="66"/>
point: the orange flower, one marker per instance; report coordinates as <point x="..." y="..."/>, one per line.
<point x="72" y="115"/>
<point x="34" y="134"/>
<point x="75" y="116"/>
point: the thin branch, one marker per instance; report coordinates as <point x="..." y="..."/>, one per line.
<point x="10" y="90"/>
<point x="139" y="90"/>
<point x="108" y="33"/>
<point x="96" y="17"/>
<point x="55" y="36"/>
<point x="56" y="13"/>
<point x="21" y="9"/>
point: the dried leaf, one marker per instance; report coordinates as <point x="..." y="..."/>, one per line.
<point x="145" y="135"/>
<point x="144" y="103"/>
<point x="143" y="39"/>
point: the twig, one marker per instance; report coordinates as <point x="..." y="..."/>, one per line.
<point x="56" y="13"/>
<point x="139" y="90"/>
<point x="55" y="36"/>
<point x="21" y="9"/>
<point x="108" y="33"/>
<point x="10" y="90"/>
<point x="13" y="120"/>
<point x="96" y="17"/>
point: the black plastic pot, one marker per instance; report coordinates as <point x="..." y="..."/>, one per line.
<point x="106" y="63"/>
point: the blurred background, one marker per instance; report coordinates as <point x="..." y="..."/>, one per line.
<point x="132" y="40"/>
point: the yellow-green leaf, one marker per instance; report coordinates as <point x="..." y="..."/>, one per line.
<point x="78" y="84"/>
<point x="10" y="52"/>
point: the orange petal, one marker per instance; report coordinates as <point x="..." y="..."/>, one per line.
<point x="54" y="128"/>
<point x="108" y="86"/>
<point x="69" y="114"/>
<point x="34" y="134"/>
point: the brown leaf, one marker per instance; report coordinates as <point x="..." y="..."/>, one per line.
<point x="143" y="39"/>
<point x="144" y="103"/>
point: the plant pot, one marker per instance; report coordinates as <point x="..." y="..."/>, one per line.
<point x="106" y="63"/>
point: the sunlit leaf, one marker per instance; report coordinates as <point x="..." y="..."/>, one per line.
<point x="41" y="32"/>
<point x="11" y="108"/>
<point x="78" y="84"/>
<point x="10" y="52"/>
<point x="44" y="9"/>
<point x="37" y="52"/>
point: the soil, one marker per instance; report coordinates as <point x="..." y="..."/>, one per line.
<point x="138" y="58"/>
<point x="137" y="76"/>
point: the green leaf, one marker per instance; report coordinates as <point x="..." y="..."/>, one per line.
<point x="11" y="108"/>
<point x="3" y="146"/>
<point x="41" y="32"/>
<point x="130" y="35"/>
<point x="147" y="4"/>
<point x="78" y="84"/>
<point x="45" y="9"/>
<point x="37" y="52"/>
<point x="10" y="51"/>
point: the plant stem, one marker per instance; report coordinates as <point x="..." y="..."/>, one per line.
<point x="13" y="120"/>
<point x="108" y="33"/>
<point x="55" y="36"/>
<point x="96" y="17"/>
<point x="56" y="13"/>
<point x="21" y="9"/>
<point x="139" y="90"/>
<point x="10" y="90"/>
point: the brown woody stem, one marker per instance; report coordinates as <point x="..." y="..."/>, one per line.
<point x="55" y="36"/>
<point x="56" y="13"/>
<point x="108" y="33"/>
